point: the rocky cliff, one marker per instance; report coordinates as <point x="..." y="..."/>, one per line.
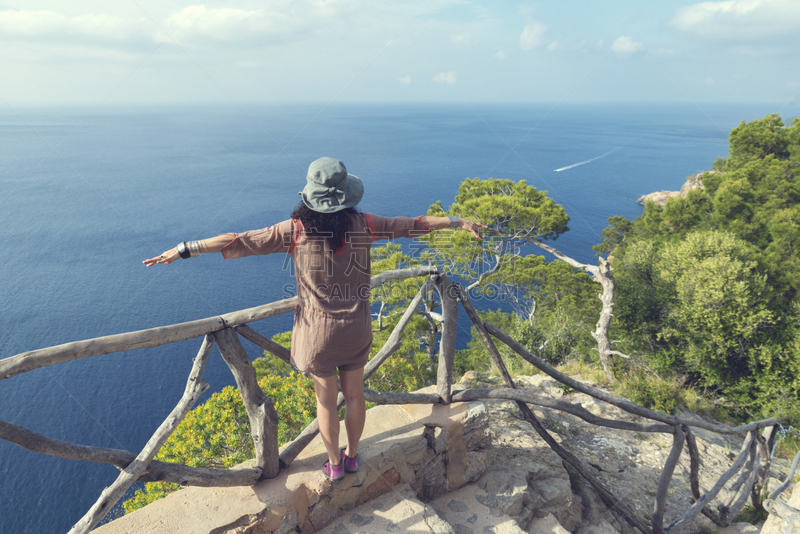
<point x="465" y="468"/>
<point x="661" y="197"/>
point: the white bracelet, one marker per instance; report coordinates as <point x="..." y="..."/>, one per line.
<point x="453" y="222"/>
<point x="194" y="248"/>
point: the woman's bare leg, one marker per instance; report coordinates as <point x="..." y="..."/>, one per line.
<point x="356" y="411"/>
<point x="327" y="390"/>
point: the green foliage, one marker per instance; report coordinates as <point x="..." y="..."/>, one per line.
<point x="787" y="447"/>
<point x="552" y="334"/>
<point x="681" y="215"/>
<point x="651" y="391"/>
<point x="752" y="514"/>
<point x="409" y="368"/>
<point x="552" y="339"/>
<point x="613" y="235"/>
<point x="532" y="286"/>
<point x="153" y="491"/>
<point x="270" y="365"/>
<point x="639" y="309"/>
<point x="707" y="285"/>
<point x="395" y="295"/>
<point x="716" y="311"/>
<point x="513" y="212"/>
<point x="476" y="357"/>
<point x="758" y="139"/>
<point x="719" y="164"/>
<point x="509" y="207"/>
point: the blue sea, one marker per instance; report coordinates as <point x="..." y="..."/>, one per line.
<point x="87" y="194"/>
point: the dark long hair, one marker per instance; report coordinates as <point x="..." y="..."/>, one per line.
<point x="332" y="226"/>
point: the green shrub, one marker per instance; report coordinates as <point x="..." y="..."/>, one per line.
<point x="650" y="391"/>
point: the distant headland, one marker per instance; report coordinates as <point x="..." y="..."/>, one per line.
<point x="661" y="197"/>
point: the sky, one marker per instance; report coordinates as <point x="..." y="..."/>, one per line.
<point x="92" y="52"/>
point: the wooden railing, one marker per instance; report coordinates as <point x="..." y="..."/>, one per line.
<point x="752" y="463"/>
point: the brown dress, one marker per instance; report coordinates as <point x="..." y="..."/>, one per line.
<point x="332" y="321"/>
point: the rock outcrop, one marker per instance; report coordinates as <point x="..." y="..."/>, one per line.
<point x="461" y="469"/>
<point x="784" y="517"/>
<point x="660" y="197"/>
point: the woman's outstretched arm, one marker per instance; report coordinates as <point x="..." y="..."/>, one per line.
<point x="213" y="244"/>
<point x="440" y="223"/>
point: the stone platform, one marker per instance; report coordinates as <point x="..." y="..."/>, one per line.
<point x="430" y="449"/>
<point x="471" y="468"/>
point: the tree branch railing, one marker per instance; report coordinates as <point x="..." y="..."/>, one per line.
<point x="752" y="464"/>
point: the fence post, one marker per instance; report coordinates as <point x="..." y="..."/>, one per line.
<point x="260" y="409"/>
<point x="678" y="438"/>
<point x="694" y="463"/>
<point x="447" y="345"/>
<point x="195" y="386"/>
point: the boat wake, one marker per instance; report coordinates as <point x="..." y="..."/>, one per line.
<point x="587" y="161"/>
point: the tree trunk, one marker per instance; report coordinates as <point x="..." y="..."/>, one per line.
<point x="602" y="275"/>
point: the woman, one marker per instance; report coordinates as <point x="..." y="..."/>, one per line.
<point x="329" y="242"/>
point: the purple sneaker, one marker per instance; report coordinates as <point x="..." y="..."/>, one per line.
<point x="350" y="464"/>
<point x="333" y="472"/>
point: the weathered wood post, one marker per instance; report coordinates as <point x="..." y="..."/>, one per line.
<point x="660" y="506"/>
<point x="701" y="503"/>
<point x="447" y="345"/>
<point x="694" y="463"/>
<point x="747" y="479"/>
<point x="260" y="408"/>
<point x="765" y="447"/>
<point x="195" y="386"/>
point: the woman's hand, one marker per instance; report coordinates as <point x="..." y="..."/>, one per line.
<point x="166" y="258"/>
<point x="440" y="223"/>
<point x="471" y="226"/>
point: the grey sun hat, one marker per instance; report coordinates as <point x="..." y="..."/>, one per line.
<point x="329" y="188"/>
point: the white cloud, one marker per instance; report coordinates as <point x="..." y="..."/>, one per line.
<point x="625" y="45"/>
<point x="552" y="46"/>
<point x="459" y="39"/>
<point x="228" y="23"/>
<point x="405" y="79"/>
<point x="42" y="22"/>
<point x="739" y="18"/>
<point x="501" y="55"/>
<point x="193" y="20"/>
<point x="446" y="77"/>
<point x="532" y="35"/>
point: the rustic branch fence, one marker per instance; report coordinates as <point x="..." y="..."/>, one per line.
<point x="752" y="464"/>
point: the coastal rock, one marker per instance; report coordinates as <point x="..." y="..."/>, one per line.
<point x="784" y="517"/>
<point x="660" y="197"/>
<point x="468" y="468"/>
